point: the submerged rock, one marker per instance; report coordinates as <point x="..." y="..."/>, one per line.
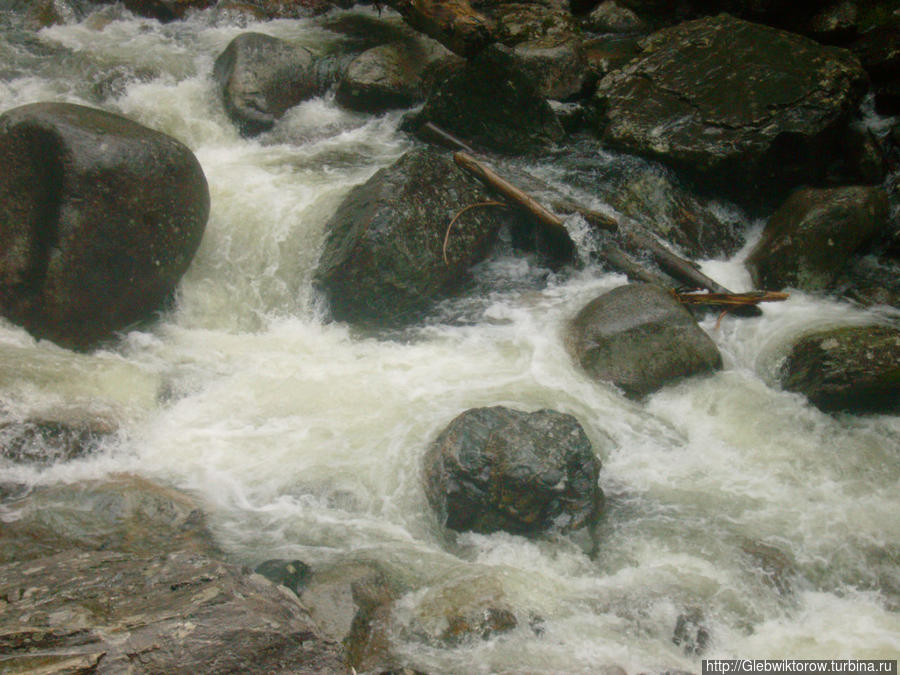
<point x="99" y="219"/>
<point x="855" y="369"/>
<point x="126" y="514"/>
<point x="639" y="338"/>
<point x="810" y="238"/>
<point x="500" y="469"/>
<point x="746" y="109"/>
<point x="383" y="262"/>
<point x="260" y="77"/>
<point x="107" y="611"/>
<point x="41" y="441"/>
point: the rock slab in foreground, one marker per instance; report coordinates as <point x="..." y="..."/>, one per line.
<point x="109" y="612"/>
<point x="260" y="77"/>
<point x="383" y="258"/>
<point x="99" y="219"/>
<point x="855" y="368"/>
<point x="809" y="239"/>
<point x="500" y="469"/>
<point x="745" y="108"/>
<point x="640" y="338"/>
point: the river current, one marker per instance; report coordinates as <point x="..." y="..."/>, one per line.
<point x="730" y="503"/>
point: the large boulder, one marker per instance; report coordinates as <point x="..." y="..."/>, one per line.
<point x="260" y="77"/>
<point x="492" y="101"/>
<point x="500" y="469"/>
<point x="745" y="109"/>
<point x="111" y="612"/>
<point x="99" y="219"/>
<point x="809" y="239"/>
<point x="383" y="261"/>
<point x="855" y="368"/>
<point x="639" y="338"/>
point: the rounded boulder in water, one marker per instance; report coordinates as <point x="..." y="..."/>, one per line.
<point x="99" y="219"/>
<point x="526" y="473"/>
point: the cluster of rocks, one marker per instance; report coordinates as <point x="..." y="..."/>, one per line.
<point x="100" y="217"/>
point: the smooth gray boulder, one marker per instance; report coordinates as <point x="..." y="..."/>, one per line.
<point x="639" y="338"/>
<point x="854" y="369"/>
<point x="501" y="469"/>
<point x="99" y="219"/>
<point x="260" y="77"/>
<point x="809" y="240"/>
<point x="745" y="109"/>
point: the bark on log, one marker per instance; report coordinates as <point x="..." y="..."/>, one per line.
<point x="453" y="23"/>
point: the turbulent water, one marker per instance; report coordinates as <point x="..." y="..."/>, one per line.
<point x="729" y="501"/>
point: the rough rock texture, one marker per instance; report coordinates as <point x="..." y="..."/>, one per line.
<point x="809" y="240"/>
<point x="855" y="368"/>
<point x="111" y="612"/>
<point x="126" y="514"/>
<point x="500" y="469"/>
<point x="383" y="263"/>
<point x="640" y="338"/>
<point x="276" y="9"/>
<point x="492" y="102"/>
<point x="99" y="219"/>
<point x="260" y="77"/>
<point x="746" y="109"/>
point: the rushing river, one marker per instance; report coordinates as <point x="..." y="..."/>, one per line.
<point x="729" y="501"/>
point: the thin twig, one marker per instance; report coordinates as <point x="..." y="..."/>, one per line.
<point x="491" y="202"/>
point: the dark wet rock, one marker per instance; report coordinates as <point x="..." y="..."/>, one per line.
<point x="388" y="76"/>
<point x="43" y="13"/>
<point x="879" y="52"/>
<point x="691" y="632"/>
<point x="126" y="514"/>
<point x="260" y="77"/>
<point x="99" y="219"/>
<point x="112" y="612"/>
<point x="292" y="574"/>
<point x="639" y="338"/>
<point x="39" y="441"/>
<point x="854" y="369"/>
<point x="545" y="43"/>
<point x="864" y="160"/>
<point x="500" y="469"/>
<point x="768" y="120"/>
<point x="809" y="240"/>
<point x="493" y="102"/>
<point x="871" y="280"/>
<point x="383" y="262"/>
<point x="605" y="54"/>
<point x="166" y="10"/>
<point x="611" y="17"/>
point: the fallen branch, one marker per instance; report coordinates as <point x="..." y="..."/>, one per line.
<point x="730" y="299"/>
<point x="456" y="217"/>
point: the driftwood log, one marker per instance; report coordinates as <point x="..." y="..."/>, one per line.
<point x="629" y="232"/>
